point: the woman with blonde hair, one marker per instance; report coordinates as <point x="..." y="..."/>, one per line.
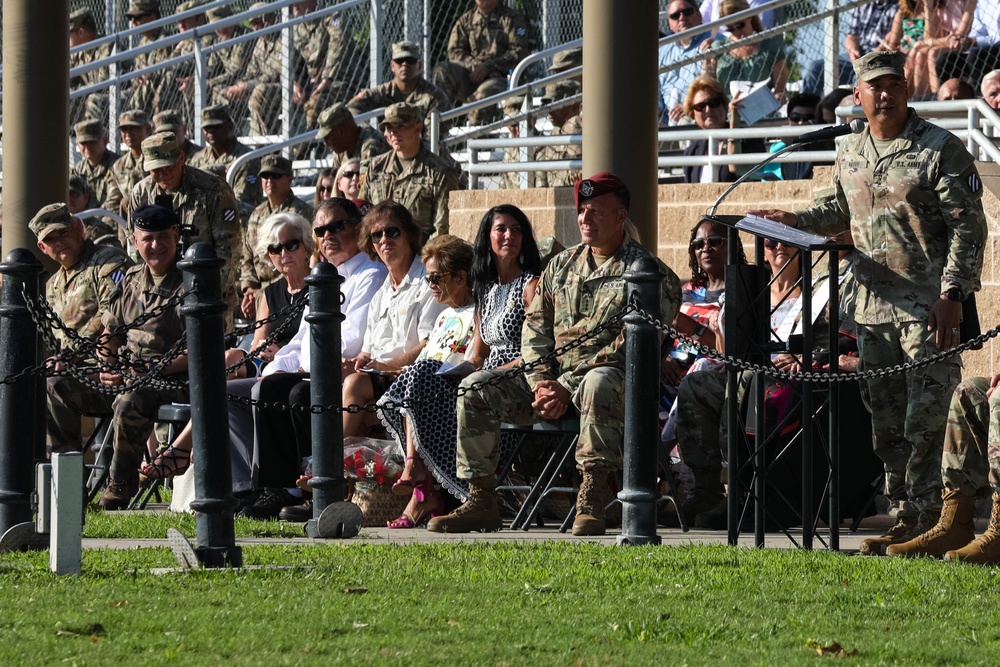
<point x="750" y="62"/>
<point x="347" y="183"/>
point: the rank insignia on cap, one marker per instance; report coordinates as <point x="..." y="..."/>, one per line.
<point x="586" y="188"/>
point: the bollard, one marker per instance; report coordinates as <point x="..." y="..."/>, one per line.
<point x="20" y="438"/>
<point x="66" y="518"/>
<point x="642" y="349"/>
<point x="332" y="517"/>
<point x="204" y="318"/>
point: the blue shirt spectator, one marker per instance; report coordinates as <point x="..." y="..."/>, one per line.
<point x="682" y="15"/>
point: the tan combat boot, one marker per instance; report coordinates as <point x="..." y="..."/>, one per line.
<point x="593" y="498"/>
<point x="985" y="549"/>
<point x="953" y="530"/>
<point x="479" y="513"/>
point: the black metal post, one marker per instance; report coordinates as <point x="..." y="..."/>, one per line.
<point x="760" y="426"/>
<point x="204" y="317"/>
<point x="834" y="404"/>
<point x="735" y="277"/>
<point x="642" y="348"/>
<point x="19" y="437"/>
<point x="807" y="400"/>
<point x="324" y="320"/>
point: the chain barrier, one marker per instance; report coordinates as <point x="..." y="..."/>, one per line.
<point x="290" y="312"/>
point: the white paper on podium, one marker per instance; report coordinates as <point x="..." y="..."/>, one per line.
<point x="781" y="232"/>
<point x="758" y="101"/>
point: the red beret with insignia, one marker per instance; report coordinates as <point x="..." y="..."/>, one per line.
<point x="601" y="184"/>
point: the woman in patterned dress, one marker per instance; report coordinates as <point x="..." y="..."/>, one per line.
<point x="503" y="277"/>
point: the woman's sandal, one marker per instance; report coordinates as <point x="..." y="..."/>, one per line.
<point x="404" y="487"/>
<point x="169" y="463"/>
<point x="421" y="493"/>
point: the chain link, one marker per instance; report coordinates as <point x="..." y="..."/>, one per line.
<point x="289" y="313"/>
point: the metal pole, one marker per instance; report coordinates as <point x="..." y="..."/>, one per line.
<point x="287" y="76"/>
<point x="807" y="402"/>
<point x="435" y="133"/>
<point x="65" y="549"/>
<point x="642" y="346"/>
<point x="831" y="47"/>
<point x="19" y="437"/>
<point x="375" y="43"/>
<point x="735" y="277"/>
<point x="760" y="425"/>
<point x="204" y="313"/>
<point x="834" y="412"/>
<point x="425" y="38"/>
<point x="200" y="88"/>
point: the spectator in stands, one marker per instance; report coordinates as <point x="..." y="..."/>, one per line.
<point x="127" y="170"/>
<point x="169" y="120"/>
<point x="567" y="120"/>
<point x="973" y="56"/>
<point x="706" y="103"/>
<point x="177" y="89"/>
<point x="79" y="194"/>
<point x="346" y="139"/>
<point x="407" y="85"/>
<point x="501" y="282"/>
<point x="95" y="167"/>
<point x="866" y="29"/>
<point x="752" y="62"/>
<point x="484" y="45"/>
<point x="827" y="107"/>
<point x="257" y="273"/>
<point x="925" y="30"/>
<point x="710" y="11"/>
<point x="955" y="89"/>
<point x="801" y="110"/>
<point x="682" y="15"/>
<point x="83" y="30"/>
<point x="102" y="231"/>
<point x="144" y="86"/>
<point x="336" y="79"/>
<point x="227" y="65"/>
<point x="221" y="151"/>
<point x="991" y="88"/>
<point x="324" y="186"/>
<point x="347" y="183"/>
<point x="311" y="41"/>
<point x="409" y="173"/>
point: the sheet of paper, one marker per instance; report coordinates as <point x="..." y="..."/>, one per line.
<point x="758" y="101"/>
<point x="460" y="369"/>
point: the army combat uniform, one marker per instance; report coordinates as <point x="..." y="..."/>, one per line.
<point x="915" y="211"/>
<point x="246" y="184"/>
<point x="573" y="298"/>
<point x="426" y="96"/>
<point x="125" y="173"/>
<point x="421" y="184"/>
<point x="257" y="271"/>
<point x="371" y="143"/>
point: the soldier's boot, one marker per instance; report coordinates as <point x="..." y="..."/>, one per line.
<point x="904" y="530"/>
<point x="591" y="501"/>
<point x="119" y="493"/>
<point x="479" y="513"/>
<point x="953" y="530"/>
<point x="985" y="549"/>
<point x="708" y="495"/>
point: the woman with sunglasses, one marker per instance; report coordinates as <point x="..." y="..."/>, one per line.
<point x="324" y="186"/>
<point x="504" y="272"/>
<point x="706" y="103"/>
<point x="749" y="62"/>
<point x="347" y="184"/>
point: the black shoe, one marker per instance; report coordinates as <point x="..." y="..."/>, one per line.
<point x="297" y="513"/>
<point x="269" y="505"/>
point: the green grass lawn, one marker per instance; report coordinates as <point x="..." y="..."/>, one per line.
<point x="480" y="603"/>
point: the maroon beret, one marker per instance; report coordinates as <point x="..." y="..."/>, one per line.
<point x="599" y="184"/>
<point x="363" y="206"/>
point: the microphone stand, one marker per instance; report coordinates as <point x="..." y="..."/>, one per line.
<point x="753" y="170"/>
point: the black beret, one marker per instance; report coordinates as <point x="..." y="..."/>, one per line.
<point x="153" y="218"/>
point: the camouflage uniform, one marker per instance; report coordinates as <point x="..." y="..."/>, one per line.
<point x="371" y="143"/>
<point x="169" y="95"/>
<point x="125" y="173"/>
<point x="263" y="80"/>
<point x="335" y="69"/>
<point x="498" y="40"/>
<point x="144" y="92"/>
<point x="257" y="271"/>
<point x="78" y="107"/>
<point x="227" y="66"/>
<point x="207" y="208"/>
<point x="98" y="178"/>
<point x="133" y="412"/>
<point x="312" y="41"/>
<point x="246" y="184"/>
<point x="426" y="96"/>
<point x="917" y="219"/>
<point x="422" y="187"/>
<point x="971" y="461"/>
<point x="558" y="179"/>
<point x="572" y="299"/>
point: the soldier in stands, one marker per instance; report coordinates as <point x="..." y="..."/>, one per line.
<point x="222" y="150"/>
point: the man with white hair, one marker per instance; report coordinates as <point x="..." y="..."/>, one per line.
<point x="990" y="88"/>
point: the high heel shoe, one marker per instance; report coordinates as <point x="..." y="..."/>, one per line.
<point x="170" y="463"/>
<point x="421" y="493"/>
<point x="404" y="487"/>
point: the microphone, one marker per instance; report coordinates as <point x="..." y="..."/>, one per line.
<point x="856" y="126"/>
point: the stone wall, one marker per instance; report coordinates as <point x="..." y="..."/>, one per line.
<point x="552" y="213"/>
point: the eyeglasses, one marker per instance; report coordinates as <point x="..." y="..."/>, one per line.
<point x="736" y="27"/>
<point x="686" y="12"/>
<point x="802" y="118"/>
<point x="435" y="278"/>
<point x="389" y="232"/>
<point x="325" y="188"/>
<point x="405" y="61"/>
<point x="291" y="245"/>
<point x="772" y="244"/>
<point x="713" y="103"/>
<point x="350" y="174"/>
<point x="334" y="227"/>
<point x="713" y="241"/>
<point x="270" y="176"/>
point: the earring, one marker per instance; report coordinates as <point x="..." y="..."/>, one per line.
<point x="520" y="258"/>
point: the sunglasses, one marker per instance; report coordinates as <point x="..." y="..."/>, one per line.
<point x="270" y="176"/>
<point x="713" y="241"/>
<point x="435" y="278"/>
<point x="801" y="118"/>
<point x="405" y="61"/>
<point x="290" y="245"/>
<point x="739" y="25"/>
<point x="350" y="174"/>
<point x="771" y="243"/>
<point x="326" y="188"/>
<point x="388" y="232"/>
<point x="713" y="103"/>
<point x="334" y="227"/>
<point x="687" y="11"/>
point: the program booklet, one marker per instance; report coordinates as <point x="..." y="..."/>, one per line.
<point x="758" y="100"/>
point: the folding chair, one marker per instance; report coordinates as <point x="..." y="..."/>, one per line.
<point x="175" y="416"/>
<point x="100" y="443"/>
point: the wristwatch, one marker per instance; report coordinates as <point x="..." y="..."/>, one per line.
<point x="953" y="294"/>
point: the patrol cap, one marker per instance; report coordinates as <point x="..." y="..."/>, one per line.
<point x="219" y="13"/>
<point x="50" y="218"/>
<point x="275" y="164"/>
<point x="78" y="185"/>
<point x="405" y="49"/>
<point x="512" y="105"/>
<point x="560" y="91"/>
<point x="259" y="5"/>
<point x="78" y="17"/>
<point x="400" y="113"/>
<point x="160" y="150"/>
<point x="601" y="184"/>
<point x="188" y="4"/>
<point x="133" y="118"/>
<point x="89" y="130"/>
<point x="167" y="120"/>
<point x="879" y="63"/>
<point x="331" y="117"/>
<point x="567" y="59"/>
<point x="217" y="114"/>
<point x="142" y="8"/>
<point x="153" y="218"/>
